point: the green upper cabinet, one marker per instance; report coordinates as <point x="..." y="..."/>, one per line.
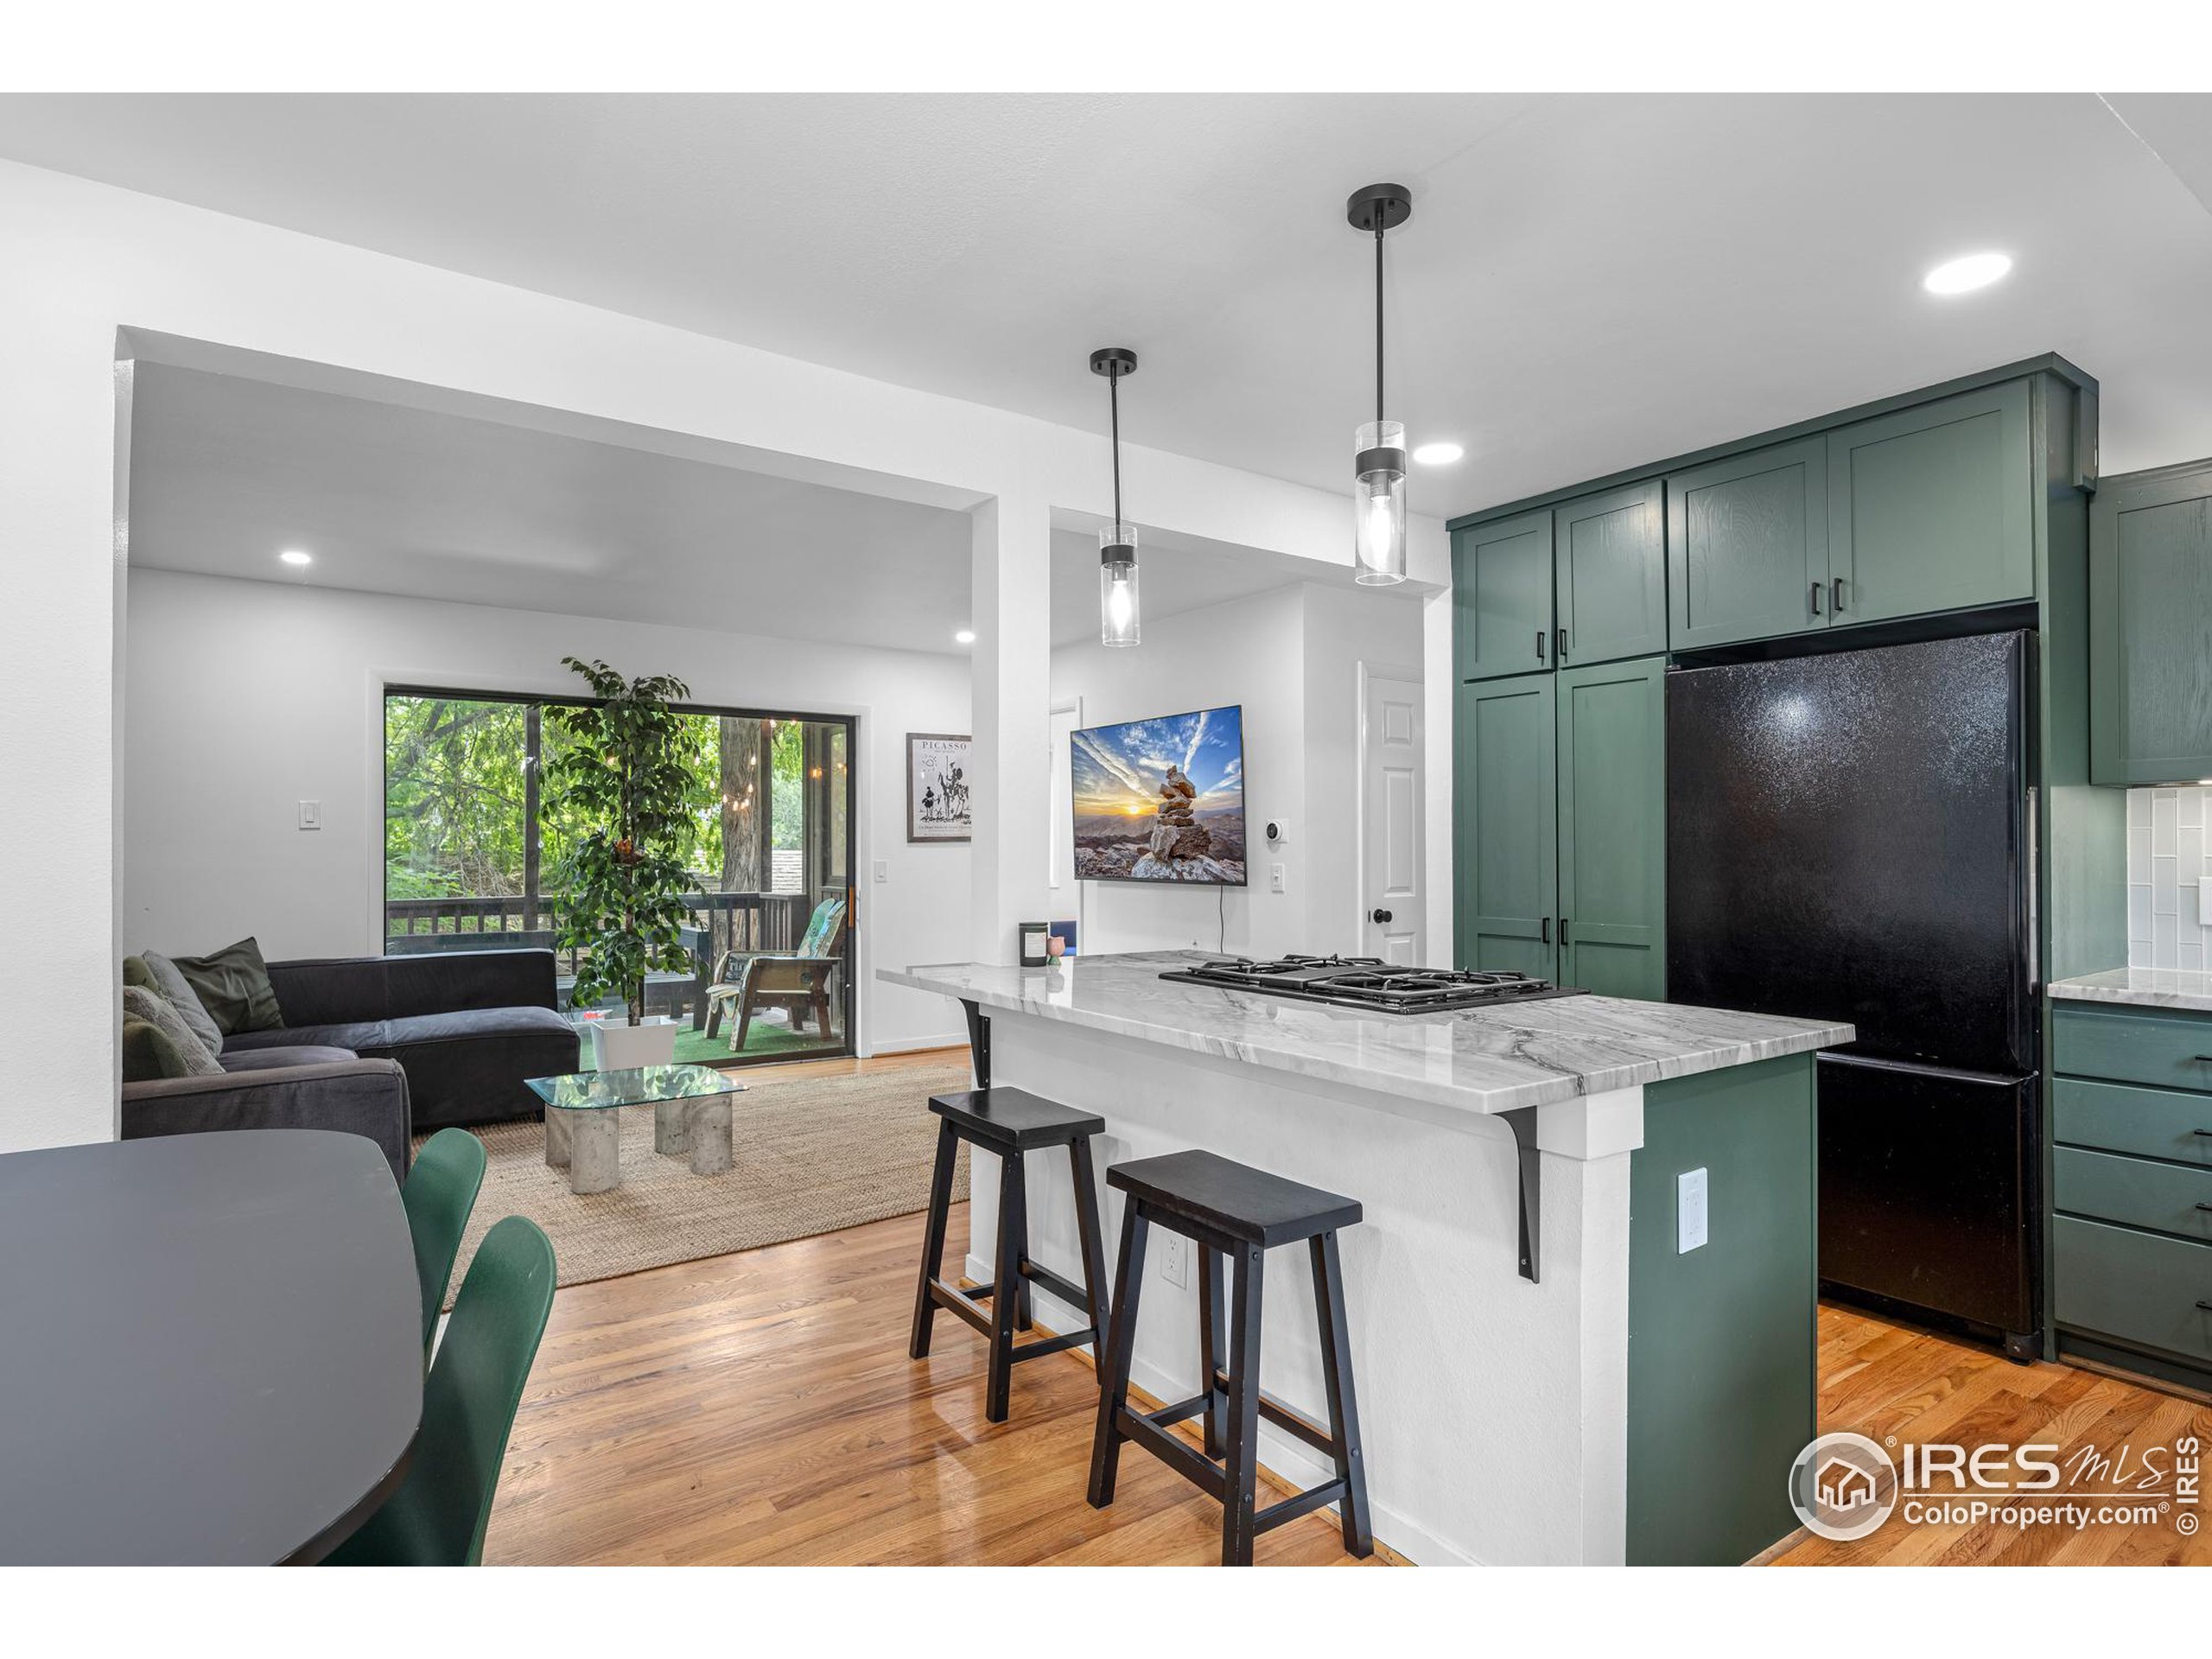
<point x="2150" y="627"/>
<point x="1612" y="828"/>
<point x="1505" y="825"/>
<point x="1932" y="508"/>
<point x="1748" y="540"/>
<point x="1501" y="596"/>
<point x="1610" y="554"/>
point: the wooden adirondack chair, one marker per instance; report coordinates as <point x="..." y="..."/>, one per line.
<point x="797" y="983"/>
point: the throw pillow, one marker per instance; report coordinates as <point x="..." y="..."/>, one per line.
<point x="148" y="1056"/>
<point x="233" y="986"/>
<point x="139" y="1003"/>
<point x="134" y="972"/>
<point x="171" y="986"/>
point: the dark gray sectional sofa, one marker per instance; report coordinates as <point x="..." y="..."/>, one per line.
<point x="381" y="1045"/>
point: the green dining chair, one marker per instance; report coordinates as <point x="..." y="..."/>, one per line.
<point x="437" y="1516"/>
<point x="439" y="1192"/>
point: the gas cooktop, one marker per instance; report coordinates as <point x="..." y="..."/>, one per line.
<point x="1368" y="984"/>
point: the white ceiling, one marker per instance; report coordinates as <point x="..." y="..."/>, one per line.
<point x="1588" y="283"/>
<point x="225" y="473"/>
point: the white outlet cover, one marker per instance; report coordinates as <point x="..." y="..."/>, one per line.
<point x="1689" y="1212"/>
<point x="1174" y="1259"/>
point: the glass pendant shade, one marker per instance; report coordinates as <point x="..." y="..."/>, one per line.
<point x="1379" y="504"/>
<point x="1118" y="622"/>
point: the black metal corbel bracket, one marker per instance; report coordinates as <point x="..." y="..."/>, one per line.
<point x="1523" y="1125"/>
<point x="979" y="1043"/>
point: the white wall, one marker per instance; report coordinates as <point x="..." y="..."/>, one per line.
<point x="85" y="260"/>
<point x="248" y="697"/>
<point x="1290" y="656"/>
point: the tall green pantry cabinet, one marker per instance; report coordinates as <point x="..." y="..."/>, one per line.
<point x="1558" y="735"/>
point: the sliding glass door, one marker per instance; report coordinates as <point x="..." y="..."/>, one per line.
<point x="471" y="845"/>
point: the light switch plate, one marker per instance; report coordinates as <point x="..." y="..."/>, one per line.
<point x="1690" y="1211"/>
<point x="310" y="814"/>
<point x="883" y="870"/>
<point x="1274" y="878"/>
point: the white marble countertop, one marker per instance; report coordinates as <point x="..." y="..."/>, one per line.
<point x="1478" y="1060"/>
<point x="2149" y="988"/>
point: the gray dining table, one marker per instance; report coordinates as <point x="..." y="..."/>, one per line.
<point x="211" y="1348"/>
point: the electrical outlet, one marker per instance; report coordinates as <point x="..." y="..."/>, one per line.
<point x="1175" y="1258"/>
<point x="1689" y="1212"/>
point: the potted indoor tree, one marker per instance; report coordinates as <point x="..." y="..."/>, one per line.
<point x="621" y="784"/>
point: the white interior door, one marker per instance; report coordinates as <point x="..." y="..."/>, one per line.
<point x="1391" y="910"/>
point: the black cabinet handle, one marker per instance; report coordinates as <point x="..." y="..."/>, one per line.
<point x="1835" y="594"/>
<point x="1816" y="599"/>
<point x="1562" y="933"/>
<point x="1561" y="652"/>
<point x="1540" y="644"/>
<point x="2207" y="1133"/>
<point x="2207" y="1208"/>
<point x="2205" y="1305"/>
<point x="1382" y="916"/>
<point x="2206" y="1059"/>
<point x="1545" y="936"/>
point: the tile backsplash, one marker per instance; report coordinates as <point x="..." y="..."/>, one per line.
<point x="2166" y="860"/>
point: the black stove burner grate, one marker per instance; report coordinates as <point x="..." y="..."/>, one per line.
<point x="1369" y="983"/>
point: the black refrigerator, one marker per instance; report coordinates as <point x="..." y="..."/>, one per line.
<point x="1849" y="837"/>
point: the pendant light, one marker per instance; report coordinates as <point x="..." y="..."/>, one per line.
<point x="1379" y="447"/>
<point x="1118" y="542"/>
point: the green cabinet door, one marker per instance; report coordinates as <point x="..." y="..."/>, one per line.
<point x="1501" y="596"/>
<point x="1612" y="829"/>
<point x="1610" y="555"/>
<point x="1505" y="825"/>
<point x="1932" y="508"/>
<point x="1748" y="543"/>
<point x="2150" y="627"/>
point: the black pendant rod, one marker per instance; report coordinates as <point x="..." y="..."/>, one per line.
<point x="1378" y="327"/>
<point x="1114" y="402"/>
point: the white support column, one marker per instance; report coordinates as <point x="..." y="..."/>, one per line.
<point x="1009" y="787"/>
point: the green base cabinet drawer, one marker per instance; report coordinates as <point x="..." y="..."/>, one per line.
<point x="2144" y="1122"/>
<point x="2136" y="1287"/>
<point x="2133" y="1191"/>
<point x="2166" y="1051"/>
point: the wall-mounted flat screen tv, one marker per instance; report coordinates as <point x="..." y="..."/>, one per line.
<point x="1161" y="800"/>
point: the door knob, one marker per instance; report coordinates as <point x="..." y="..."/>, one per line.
<point x="1381" y="915"/>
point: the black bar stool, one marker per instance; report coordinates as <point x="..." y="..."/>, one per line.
<point x="1232" y="1211"/>
<point x="1011" y="1122"/>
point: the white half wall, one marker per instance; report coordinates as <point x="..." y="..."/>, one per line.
<point x="252" y="697"/>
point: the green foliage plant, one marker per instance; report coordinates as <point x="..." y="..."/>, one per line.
<point x="623" y="780"/>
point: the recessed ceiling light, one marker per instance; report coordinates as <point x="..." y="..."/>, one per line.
<point x="1438" y="455"/>
<point x="293" y="556"/>
<point x="965" y="637"/>
<point x="1964" y="276"/>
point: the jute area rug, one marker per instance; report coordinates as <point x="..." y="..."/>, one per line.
<point x="814" y="1154"/>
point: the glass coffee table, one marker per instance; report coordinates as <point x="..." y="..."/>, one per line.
<point x="583" y="1120"/>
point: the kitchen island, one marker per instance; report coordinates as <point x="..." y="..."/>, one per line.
<point x="1544" y="1376"/>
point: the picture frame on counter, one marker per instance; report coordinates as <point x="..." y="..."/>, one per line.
<point x="939" y="807"/>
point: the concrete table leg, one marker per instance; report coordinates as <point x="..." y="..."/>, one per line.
<point x="595" y="1151"/>
<point x="713" y="1137"/>
<point x="557" y="1137"/>
<point x="673" y="1127"/>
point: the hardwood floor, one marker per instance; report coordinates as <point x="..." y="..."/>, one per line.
<point x="761" y="1408"/>
<point x="1882" y="1379"/>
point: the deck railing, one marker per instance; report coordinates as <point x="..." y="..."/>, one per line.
<point x="721" y="921"/>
